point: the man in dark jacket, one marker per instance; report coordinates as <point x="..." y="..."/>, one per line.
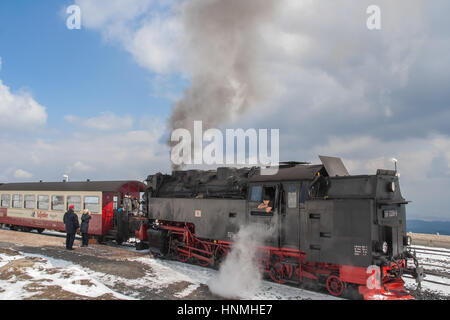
<point x="72" y="224"/>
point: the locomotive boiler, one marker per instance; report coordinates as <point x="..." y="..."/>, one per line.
<point x="328" y="228"/>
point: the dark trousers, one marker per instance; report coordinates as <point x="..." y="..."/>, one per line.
<point x="85" y="238"/>
<point x="70" y="238"/>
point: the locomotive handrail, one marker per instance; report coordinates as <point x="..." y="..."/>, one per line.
<point x="261" y="213"/>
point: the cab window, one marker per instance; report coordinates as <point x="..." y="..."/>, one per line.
<point x="266" y="196"/>
<point x="292" y="196"/>
<point x="303" y="192"/>
<point x="269" y="195"/>
<point x="256" y="194"/>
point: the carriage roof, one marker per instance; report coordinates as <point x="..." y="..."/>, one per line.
<point x="104" y="186"/>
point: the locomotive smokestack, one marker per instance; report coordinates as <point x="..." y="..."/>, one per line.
<point x="223" y="49"/>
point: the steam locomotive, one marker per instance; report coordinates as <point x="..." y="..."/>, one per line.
<point x="327" y="228"/>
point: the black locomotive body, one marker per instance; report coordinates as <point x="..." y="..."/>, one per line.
<point x="326" y="226"/>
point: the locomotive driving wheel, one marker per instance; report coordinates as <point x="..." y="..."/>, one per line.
<point x="277" y="272"/>
<point x="334" y="285"/>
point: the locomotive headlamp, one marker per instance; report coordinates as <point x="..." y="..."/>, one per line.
<point x="384" y="247"/>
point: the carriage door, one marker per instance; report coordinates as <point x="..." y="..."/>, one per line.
<point x="263" y="211"/>
<point x="290" y="216"/>
<point x="108" y="211"/>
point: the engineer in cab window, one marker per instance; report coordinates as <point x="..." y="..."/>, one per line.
<point x="267" y="204"/>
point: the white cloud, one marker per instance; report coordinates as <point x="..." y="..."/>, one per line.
<point x="100" y="13"/>
<point x="20" y="110"/>
<point x="80" y="166"/>
<point x="99" y="155"/>
<point x="154" y="45"/>
<point x="107" y="121"/>
<point x="146" y="28"/>
<point x="22" y="174"/>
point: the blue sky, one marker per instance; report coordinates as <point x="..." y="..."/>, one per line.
<point x="95" y="103"/>
<point x="70" y="71"/>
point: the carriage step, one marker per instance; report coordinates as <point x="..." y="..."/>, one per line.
<point x="111" y="234"/>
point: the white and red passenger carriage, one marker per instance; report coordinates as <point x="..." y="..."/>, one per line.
<point x="39" y="206"/>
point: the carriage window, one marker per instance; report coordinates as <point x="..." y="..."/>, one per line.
<point x="58" y="203"/>
<point x="17" y="201"/>
<point x="74" y="200"/>
<point x="91" y="203"/>
<point x="256" y="194"/>
<point x="115" y="202"/>
<point x="43" y="202"/>
<point x="292" y="196"/>
<point x="30" y="201"/>
<point x="5" y="200"/>
<point x="141" y="202"/>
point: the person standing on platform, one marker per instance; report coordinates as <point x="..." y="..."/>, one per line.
<point x="71" y="221"/>
<point x="85" y="227"/>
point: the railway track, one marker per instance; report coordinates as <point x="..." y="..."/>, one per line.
<point x="433" y="253"/>
<point x="430" y="281"/>
<point x="429" y="249"/>
<point x="435" y="265"/>
<point x="429" y="253"/>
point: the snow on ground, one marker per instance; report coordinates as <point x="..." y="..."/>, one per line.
<point x="27" y="275"/>
<point x="35" y="273"/>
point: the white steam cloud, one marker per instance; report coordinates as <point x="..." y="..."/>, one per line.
<point x="240" y="274"/>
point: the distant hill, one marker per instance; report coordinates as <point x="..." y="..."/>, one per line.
<point x="430" y="227"/>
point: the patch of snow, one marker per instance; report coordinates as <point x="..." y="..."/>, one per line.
<point x="64" y="274"/>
